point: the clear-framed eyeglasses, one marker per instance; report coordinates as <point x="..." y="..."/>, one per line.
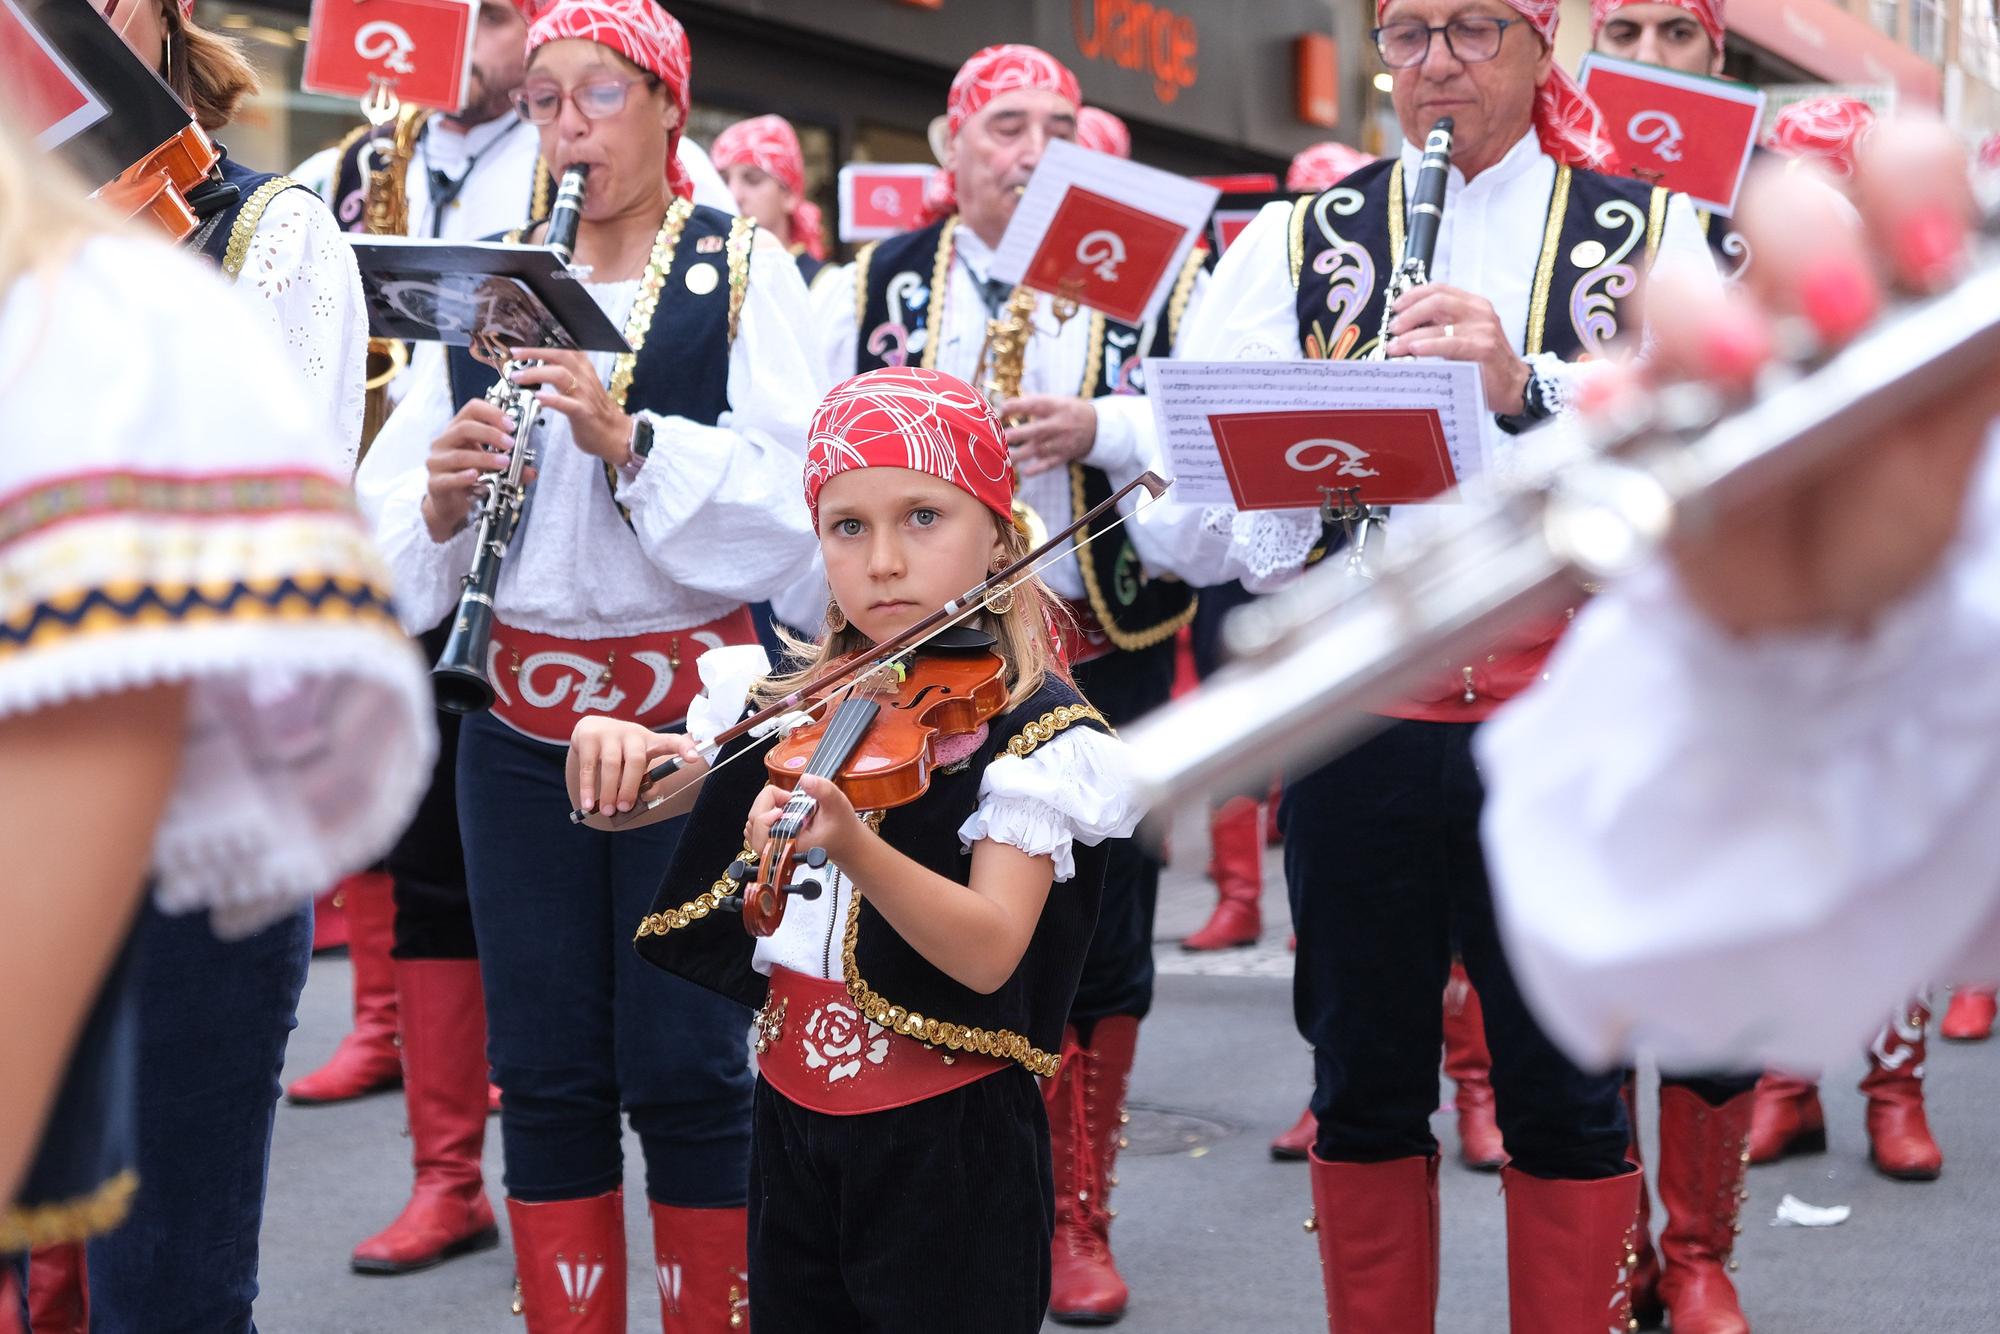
<point x="1471" y="40"/>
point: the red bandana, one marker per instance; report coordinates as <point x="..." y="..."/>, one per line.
<point x="1827" y="128"/>
<point x="909" y="417"/>
<point x="1101" y="132"/>
<point x="1568" y="123"/>
<point x="1708" y="13"/>
<point x="771" y="145"/>
<point x="991" y="72"/>
<point x="1323" y="166"/>
<point x="639" y="30"/>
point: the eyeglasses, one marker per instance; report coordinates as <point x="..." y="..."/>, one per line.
<point x="541" y="103"/>
<point x="1470" y="40"/>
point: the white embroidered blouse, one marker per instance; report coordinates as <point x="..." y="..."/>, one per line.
<point x="173" y="510"/>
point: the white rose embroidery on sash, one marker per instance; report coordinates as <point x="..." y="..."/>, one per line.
<point x="838" y="1040"/>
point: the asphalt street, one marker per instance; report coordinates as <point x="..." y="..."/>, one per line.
<point x="1209" y="1228"/>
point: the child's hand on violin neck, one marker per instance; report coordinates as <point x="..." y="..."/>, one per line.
<point x="833" y="826"/>
<point x="608" y="761"/>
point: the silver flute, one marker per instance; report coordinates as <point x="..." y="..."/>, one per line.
<point x="460" y="676"/>
<point x="1310" y="661"/>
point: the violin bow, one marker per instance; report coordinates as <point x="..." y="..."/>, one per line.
<point x="914" y="637"/>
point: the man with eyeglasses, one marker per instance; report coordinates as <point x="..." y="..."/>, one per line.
<point x="1539" y="253"/>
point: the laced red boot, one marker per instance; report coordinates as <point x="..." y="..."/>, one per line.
<point x="1236" y="864"/>
<point x="1647" y="1312"/>
<point x="1704" y="1153"/>
<point x="1786" y="1118"/>
<point x="1470" y="1066"/>
<point x="702" y="1260"/>
<point x="1899" y="1134"/>
<point x="1086" y="1288"/>
<point x="1570" y="1253"/>
<point x="1969" y="1017"/>
<point x="569" y="1264"/>
<point x="1296" y="1144"/>
<point x="330" y="920"/>
<point x="443" y="1016"/>
<point x="58" y="1290"/>
<point x="1377" y="1226"/>
<point x="366" y="1061"/>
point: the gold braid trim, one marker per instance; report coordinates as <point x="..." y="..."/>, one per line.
<point x="658" y="266"/>
<point x="700" y="906"/>
<point x="863" y="261"/>
<point x="1130" y="641"/>
<point x="940" y="280"/>
<point x="1093" y="367"/>
<point x="1183" y="292"/>
<point x="545" y="184"/>
<point x="1545" y="270"/>
<point x="1705" y="218"/>
<point x="742" y="235"/>
<point x="1656" y="223"/>
<point x="1297" y="243"/>
<point x="22" y="1228"/>
<point x="1398" y="223"/>
<point x="246" y="222"/>
<point x="997" y="1043"/>
<point x="1030" y="738"/>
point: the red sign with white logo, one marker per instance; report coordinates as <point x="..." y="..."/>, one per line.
<point x="881" y="199"/>
<point x="1104" y="254"/>
<point x="1682" y="131"/>
<point x="1290" y="460"/>
<point x="422" y="49"/>
<point x="45" y="96"/>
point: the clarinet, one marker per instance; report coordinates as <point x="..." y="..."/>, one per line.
<point x="460" y="675"/>
<point x="1419" y="249"/>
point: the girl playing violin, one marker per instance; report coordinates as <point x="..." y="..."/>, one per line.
<point x="907" y="1005"/>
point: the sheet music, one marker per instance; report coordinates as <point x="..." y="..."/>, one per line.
<point x="1185" y="393"/>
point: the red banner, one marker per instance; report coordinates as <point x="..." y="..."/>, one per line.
<point x="45" y="96"/>
<point x="881" y="199"/>
<point x="1104" y="254"/>
<point x="421" y="48"/>
<point x="1682" y="131"/>
<point x="1290" y="460"/>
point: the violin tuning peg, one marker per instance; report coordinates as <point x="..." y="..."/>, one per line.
<point x="805" y="889"/>
<point x="739" y="870"/>
<point x="729" y="903"/>
<point x="814" y="857"/>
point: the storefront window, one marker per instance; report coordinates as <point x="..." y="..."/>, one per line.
<point x="1883" y="14"/>
<point x="281" y="126"/>
<point x="1979" y="41"/>
<point x="1927" y="28"/>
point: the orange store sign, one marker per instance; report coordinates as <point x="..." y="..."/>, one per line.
<point x="1139" y="35"/>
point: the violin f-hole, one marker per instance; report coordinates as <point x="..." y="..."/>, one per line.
<point x="916" y="701"/>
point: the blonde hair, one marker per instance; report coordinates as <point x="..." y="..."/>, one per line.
<point x="1024" y="636"/>
<point x="45" y="214"/>
<point x="207" y="71"/>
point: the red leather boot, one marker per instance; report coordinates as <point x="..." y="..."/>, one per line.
<point x="1704" y="1153"/>
<point x="58" y="1290"/>
<point x="1569" y="1253"/>
<point x="1786" y="1118"/>
<point x="569" y="1264"/>
<point x="10" y="1302"/>
<point x="1296" y="1144"/>
<point x="330" y="920"/>
<point x="1969" y="1017"/>
<point x="1089" y="1092"/>
<point x="1647" y="1312"/>
<point x="443" y="1016"/>
<point x="1470" y="1066"/>
<point x="702" y="1260"/>
<point x="1377" y="1225"/>
<point x="1899" y="1134"/>
<point x="1236" y="864"/>
<point x="366" y="1061"/>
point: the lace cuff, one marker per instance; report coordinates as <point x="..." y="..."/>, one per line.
<point x="727" y="673"/>
<point x="1075" y="786"/>
<point x="1269" y="545"/>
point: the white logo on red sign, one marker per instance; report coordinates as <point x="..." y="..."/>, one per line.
<point x="1660" y="131"/>
<point x="887" y="199"/>
<point x="386" y="42"/>
<point x="1103" y="250"/>
<point x="1316" y="455"/>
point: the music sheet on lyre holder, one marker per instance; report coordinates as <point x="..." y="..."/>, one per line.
<point x="1280" y="434"/>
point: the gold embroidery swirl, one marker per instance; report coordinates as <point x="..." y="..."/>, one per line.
<point x="22" y="1228"/>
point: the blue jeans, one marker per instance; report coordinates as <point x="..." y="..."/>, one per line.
<point x="578" y="1025"/>
<point x="1385" y="872"/>
<point x="214" y="1017"/>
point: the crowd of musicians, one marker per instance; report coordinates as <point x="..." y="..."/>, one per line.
<point x="902" y="1110"/>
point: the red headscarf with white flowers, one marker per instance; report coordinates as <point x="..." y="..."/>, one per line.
<point x="639" y="30"/>
<point x="1101" y="132"/>
<point x="991" y="72"/>
<point x="1827" y="128"/>
<point x="909" y="417"/>
<point x="770" y="144"/>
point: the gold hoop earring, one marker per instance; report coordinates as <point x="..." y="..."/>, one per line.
<point x="836" y="619"/>
<point x="1000" y="601"/>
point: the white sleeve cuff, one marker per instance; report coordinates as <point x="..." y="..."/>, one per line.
<point x="1074" y="787"/>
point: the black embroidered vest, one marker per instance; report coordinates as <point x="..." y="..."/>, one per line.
<point x="900" y="285"/>
<point x="686" y="934"/>
<point x="681" y="366"/>
<point x="1600" y="236"/>
<point x="224" y="234"/>
<point x="350" y="180"/>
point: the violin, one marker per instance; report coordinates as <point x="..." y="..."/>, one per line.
<point x="878" y="745"/>
<point x="156" y="187"/>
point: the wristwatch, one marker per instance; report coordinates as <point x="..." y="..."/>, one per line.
<point x="1537" y="405"/>
<point x="642" y="445"/>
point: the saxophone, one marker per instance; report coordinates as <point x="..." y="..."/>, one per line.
<point x="385" y="157"/>
<point x="1005" y="357"/>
